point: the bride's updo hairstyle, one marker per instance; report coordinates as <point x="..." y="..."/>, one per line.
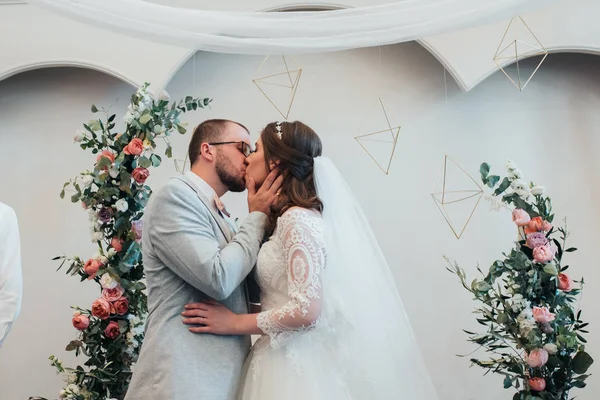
<point x="293" y="146"/>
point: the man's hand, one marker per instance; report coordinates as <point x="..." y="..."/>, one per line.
<point x="262" y="199"/>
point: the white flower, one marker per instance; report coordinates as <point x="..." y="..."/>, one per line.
<point x="84" y="180"/>
<point x="97" y="236"/>
<point x="62" y="394"/>
<point x="111" y="253"/>
<point x="94" y="187"/>
<point x="128" y="118"/>
<point x="108" y="282"/>
<point x="100" y="257"/>
<point x="518" y="184"/>
<point x="138" y="330"/>
<point x="113" y="171"/>
<point x="129" y="336"/>
<point x="80" y="135"/>
<point x="158" y="129"/>
<point x="73" y="388"/>
<point x="121" y="205"/>
<point x="538" y="190"/>
<point x="523" y="194"/>
<point x="551" y="348"/>
<point x="163" y="96"/>
<point x="526" y="321"/>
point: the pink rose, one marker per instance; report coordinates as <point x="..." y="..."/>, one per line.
<point x="537" y="384"/>
<point x="116" y="244"/>
<point x="140" y="174"/>
<point x="542" y="315"/>
<point x="108" y="154"/>
<point x="565" y="283"/>
<point x="91" y="267"/>
<point x="113" y="294"/>
<point x="544" y="254"/>
<point x="136" y="227"/>
<point x="537" y="358"/>
<point x="112" y="330"/>
<point x="135" y="147"/>
<point x="101" y="308"/>
<point x="80" y="322"/>
<point x="121" y="305"/>
<point x="537" y="224"/>
<point x="536" y="239"/>
<point x="520" y="217"/>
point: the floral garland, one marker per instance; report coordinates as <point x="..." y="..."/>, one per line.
<point x="115" y="194"/>
<point x="534" y="333"/>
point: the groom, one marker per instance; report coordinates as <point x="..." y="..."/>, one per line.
<point x="192" y="252"/>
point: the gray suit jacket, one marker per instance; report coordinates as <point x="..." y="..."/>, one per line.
<point x="189" y="255"/>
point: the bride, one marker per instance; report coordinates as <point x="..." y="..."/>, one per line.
<point x="332" y="324"/>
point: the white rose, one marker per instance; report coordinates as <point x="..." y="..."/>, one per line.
<point x="108" y="282"/>
<point x="538" y="190"/>
<point x="97" y="236"/>
<point x="551" y="348"/>
<point x="84" y="181"/>
<point x="113" y="171"/>
<point x="121" y="205"/>
<point x="163" y="95"/>
<point x="518" y="184"/>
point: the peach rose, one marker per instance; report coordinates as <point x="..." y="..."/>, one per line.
<point x="116" y="244"/>
<point x="537" y="358"/>
<point x="542" y="315"/>
<point x="537" y="224"/>
<point x="108" y="154"/>
<point x="121" y="305"/>
<point x="537" y="384"/>
<point x="91" y="267"/>
<point x="101" y="308"/>
<point x="140" y="174"/>
<point x="565" y="283"/>
<point x="113" y="294"/>
<point x="112" y="330"/>
<point x="544" y="254"/>
<point x="135" y="147"/>
<point x="80" y="322"/>
<point x="520" y="217"/>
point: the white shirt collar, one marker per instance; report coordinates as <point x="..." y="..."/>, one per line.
<point x="201" y="186"/>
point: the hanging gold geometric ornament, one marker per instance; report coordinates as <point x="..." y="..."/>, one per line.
<point x="181" y="165"/>
<point x="518" y="42"/>
<point x="381" y="145"/>
<point x="279" y="81"/>
<point x="459" y="197"/>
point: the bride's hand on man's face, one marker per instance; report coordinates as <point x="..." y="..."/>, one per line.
<point x="212" y="317"/>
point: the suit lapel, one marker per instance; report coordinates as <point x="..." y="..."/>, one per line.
<point x="207" y="203"/>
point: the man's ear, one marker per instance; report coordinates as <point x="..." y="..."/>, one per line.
<point x="207" y="151"/>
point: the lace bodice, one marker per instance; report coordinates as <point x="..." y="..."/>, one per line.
<point x="289" y="275"/>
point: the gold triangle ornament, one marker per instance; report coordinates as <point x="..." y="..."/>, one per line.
<point x="279" y="82"/>
<point x="518" y="42"/>
<point x="181" y="165"/>
<point x="457" y="196"/>
<point x="382" y="144"/>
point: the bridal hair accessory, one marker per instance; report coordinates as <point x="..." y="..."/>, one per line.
<point x="278" y="127"/>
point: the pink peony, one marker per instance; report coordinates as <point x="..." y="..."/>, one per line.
<point x="113" y="294"/>
<point x="140" y="174"/>
<point x="135" y="147"/>
<point x="520" y="217"/>
<point x="565" y="283"/>
<point x="537" y="224"/>
<point x="537" y="358"/>
<point x="542" y="315"/>
<point x="544" y="254"/>
<point x="537" y="384"/>
<point x="121" y="305"/>
<point x="101" y="308"/>
<point x="80" y="322"/>
<point x="108" y="154"/>
<point x="91" y="267"/>
<point x="536" y="239"/>
<point x="116" y="244"/>
<point x="112" y="330"/>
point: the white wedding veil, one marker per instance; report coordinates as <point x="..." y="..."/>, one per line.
<point x="361" y="304"/>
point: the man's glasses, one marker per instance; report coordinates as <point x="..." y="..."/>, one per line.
<point x="246" y="149"/>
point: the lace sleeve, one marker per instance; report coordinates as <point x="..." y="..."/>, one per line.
<point x="300" y="233"/>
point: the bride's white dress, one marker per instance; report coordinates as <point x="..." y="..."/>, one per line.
<point x="292" y="361"/>
<point x="333" y="321"/>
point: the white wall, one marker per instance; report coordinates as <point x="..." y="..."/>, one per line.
<point x="549" y="130"/>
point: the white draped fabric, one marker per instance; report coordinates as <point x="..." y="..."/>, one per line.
<point x="288" y="32"/>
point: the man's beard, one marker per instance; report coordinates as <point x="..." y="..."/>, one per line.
<point x="225" y="172"/>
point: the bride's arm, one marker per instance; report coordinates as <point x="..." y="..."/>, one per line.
<point x="301" y="238"/>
